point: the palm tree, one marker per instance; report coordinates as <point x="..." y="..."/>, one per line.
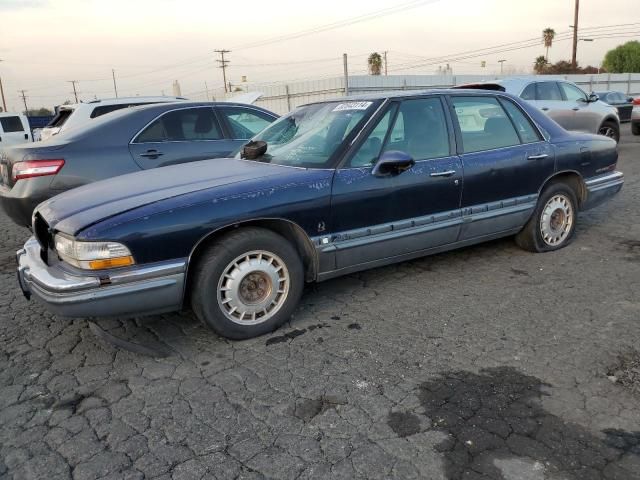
<point x="548" y="34"/>
<point x="375" y="63"/>
<point x="540" y="64"/>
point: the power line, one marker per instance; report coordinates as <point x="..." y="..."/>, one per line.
<point x="339" y="24"/>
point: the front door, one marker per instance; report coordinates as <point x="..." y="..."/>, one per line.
<point x="181" y="135"/>
<point x="376" y="218"/>
<point x="506" y="161"/>
<point x="587" y="118"/>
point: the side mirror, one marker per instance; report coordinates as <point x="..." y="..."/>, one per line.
<point x="593" y="98"/>
<point x="392" y="162"/>
<point x="254" y="149"/>
<point x="630" y="99"/>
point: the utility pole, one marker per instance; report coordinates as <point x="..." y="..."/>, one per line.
<point x="206" y="89"/>
<point x="223" y="65"/>
<point x="346" y="74"/>
<point x="75" y="92"/>
<point x="574" y="57"/>
<point x="24" y="99"/>
<point x="4" y="102"/>
<point x="501" y="62"/>
<point x="115" y="88"/>
<point x="385" y="63"/>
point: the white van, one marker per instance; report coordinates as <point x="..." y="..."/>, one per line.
<point x="69" y="116"/>
<point x="14" y="129"/>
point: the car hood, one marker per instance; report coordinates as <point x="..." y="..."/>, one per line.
<point x="79" y="208"/>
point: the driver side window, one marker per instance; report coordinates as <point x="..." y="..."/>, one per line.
<point x="572" y="93"/>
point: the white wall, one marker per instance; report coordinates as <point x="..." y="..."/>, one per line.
<point x="281" y="98"/>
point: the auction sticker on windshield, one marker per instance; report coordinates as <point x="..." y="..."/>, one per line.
<point x="352" y="106"/>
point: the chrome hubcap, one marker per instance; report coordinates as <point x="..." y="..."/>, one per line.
<point x="557" y="220"/>
<point x="608" y="132"/>
<point x="253" y="287"/>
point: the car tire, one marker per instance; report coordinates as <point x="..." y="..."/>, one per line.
<point x="610" y="129"/>
<point x="247" y="283"/>
<point x="635" y="128"/>
<point x="553" y="223"/>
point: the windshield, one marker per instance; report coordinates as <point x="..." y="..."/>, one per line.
<point x="311" y="136"/>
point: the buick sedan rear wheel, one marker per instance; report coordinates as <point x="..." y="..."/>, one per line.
<point x="553" y="222"/>
<point x="247" y="283"/>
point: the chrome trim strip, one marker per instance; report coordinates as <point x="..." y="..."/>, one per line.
<point x="594" y="182"/>
<point x="439" y="220"/>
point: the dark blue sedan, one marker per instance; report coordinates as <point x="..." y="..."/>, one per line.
<point x="329" y="189"/>
<point x="120" y="142"/>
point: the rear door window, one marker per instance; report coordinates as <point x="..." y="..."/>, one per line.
<point x="189" y="124"/>
<point x="61" y="117"/>
<point x="527" y="132"/>
<point x="529" y="93"/>
<point x="548" y="91"/>
<point x="484" y="124"/>
<point x="11" y="124"/>
<point x="245" y="122"/>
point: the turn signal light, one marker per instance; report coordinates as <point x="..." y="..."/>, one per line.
<point x="35" y="168"/>
<point x="111" y="263"/>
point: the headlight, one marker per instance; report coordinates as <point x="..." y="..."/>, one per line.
<point x="92" y="255"/>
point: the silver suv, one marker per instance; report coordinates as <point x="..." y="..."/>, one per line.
<point x="563" y="101"/>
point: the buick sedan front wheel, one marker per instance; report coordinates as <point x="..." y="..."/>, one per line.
<point x="247" y="283"/>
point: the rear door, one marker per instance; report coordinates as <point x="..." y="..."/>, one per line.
<point x="178" y="136"/>
<point x="505" y="161"/>
<point x="550" y="100"/>
<point x="13" y="130"/>
<point x="586" y="118"/>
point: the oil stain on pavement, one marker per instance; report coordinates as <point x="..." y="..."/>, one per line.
<point x="495" y="416"/>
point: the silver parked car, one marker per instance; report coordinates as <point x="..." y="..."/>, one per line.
<point x="563" y="101"/>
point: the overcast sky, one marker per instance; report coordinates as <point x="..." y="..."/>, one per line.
<point x="150" y="43"/>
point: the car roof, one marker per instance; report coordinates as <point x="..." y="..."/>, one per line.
<point x="190" y="104"/>
<point x="405" y="93"/>
<point x="121" y="100"/>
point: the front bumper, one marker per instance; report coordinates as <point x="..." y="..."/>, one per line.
<point x="602" y="188"/>
<point x="70" y="292"/>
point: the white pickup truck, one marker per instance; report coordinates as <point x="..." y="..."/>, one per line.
<point x="14" y="129"/>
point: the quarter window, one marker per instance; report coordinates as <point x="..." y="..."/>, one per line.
<point x="245" y="122"/>
<point x="484" y="124"/>
<point x="190" y="124"/>
<point x="11" y="124"/>
<point x="548" y="91"/>
<point x="572" y="92"/>
<point x="527" y="132"/>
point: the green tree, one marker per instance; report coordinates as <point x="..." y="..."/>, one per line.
<point x="623" y="59"/>
<point x="548" y="34"/>
<point x="375" y="63"/>
<point x="540" y="64"/>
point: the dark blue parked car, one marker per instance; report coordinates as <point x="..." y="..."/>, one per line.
<point x="343" y="186"/>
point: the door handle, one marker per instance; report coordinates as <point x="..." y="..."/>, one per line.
<point x="545" y="109"/>
<point x="26" y="136"/>
<point x="447" y="173"/>
<point x="152" y="154"/>
<point x="575" y="109"/>
<point x="542" y="156"/>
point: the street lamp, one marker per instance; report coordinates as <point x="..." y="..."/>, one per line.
<point x="501" y="62"/>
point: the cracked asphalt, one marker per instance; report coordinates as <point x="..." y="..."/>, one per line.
<point x="484" y="363"/>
